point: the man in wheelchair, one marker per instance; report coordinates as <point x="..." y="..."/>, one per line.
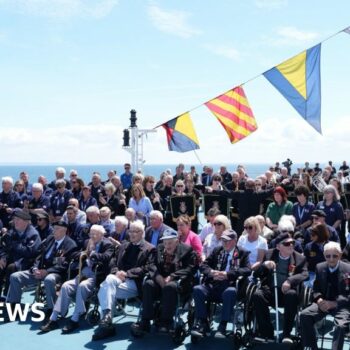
<point x="125" y="280"/>
<point x="282" y="271"/>
<point x="331" y="296"/>
<point x="93" y="268"/>
<point x="220" y="272"/>
<point x="175" y="261"/>
<point x="50" y="267"/>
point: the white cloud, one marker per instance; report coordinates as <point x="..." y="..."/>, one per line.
<point x="224" y="51"/>
<point x="271" y="4"/>
<point x="291" y="36"/>
<point x="61" y="9"/>
<point x="172" y="21"/>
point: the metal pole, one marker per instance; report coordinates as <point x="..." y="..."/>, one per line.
<point x="276" y="303"/>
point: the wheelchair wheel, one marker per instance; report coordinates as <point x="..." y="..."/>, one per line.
<point x="238" y="339"/>
<point x="190" y="317"/>
<point x="247" y="339"/>
<point x="248" y="311"/>
<point x="93" y="317"/>
<point x="307" y="297"/>
<point x="179" y="335"/>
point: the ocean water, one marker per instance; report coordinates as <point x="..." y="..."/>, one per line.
<point x="85" y="171"/>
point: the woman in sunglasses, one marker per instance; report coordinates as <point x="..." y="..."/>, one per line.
<point x="253" y="242"/>
<point x="213" y="240"/>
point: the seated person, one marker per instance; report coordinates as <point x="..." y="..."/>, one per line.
<point x="125" y="279"/>
<point x="50" y="267"/>
<point x="314" y="250"/>
<point x="291" y="270"/>
<point x="120" y="233"/>
<point x="209" y="226"/>
<point x="174" y="261"/>
<point x="19" y="247"/>
<point x="155" y="231"/>
<point x="221" y="270"/>
<point x="330" y="296"/>
<point x="99" y="251"/>
<point x="253" y="242"/>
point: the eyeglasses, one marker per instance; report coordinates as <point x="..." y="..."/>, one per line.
<point x="218" y="223"/>
<point x="288" y="244"/>
<point x="216" y="180"/>
<point x="333" y="256"/>
<point x="179" y="185"/>
<point x="40" y="219"/>
<point x="151" y="182"/>
<point x="73" y="175"/>
<point x="74" y="182"/>
<point x="248" y="227"/>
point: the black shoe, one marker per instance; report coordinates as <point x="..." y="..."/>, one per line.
<point x="104" y="331"/>
<point x="49" y="326"/>
<point x="142" y="327"/>
<point x="48" y="313"/>
<point x="70" y="327"/>
<point x="221" y="331"/>
<point x="106" y="321"/>
<point x="201" y="329"/>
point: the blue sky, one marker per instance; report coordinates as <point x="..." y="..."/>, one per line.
<point x="71" y="70"/>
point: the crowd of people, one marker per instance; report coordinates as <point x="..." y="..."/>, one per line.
<point x="109" y="235"/>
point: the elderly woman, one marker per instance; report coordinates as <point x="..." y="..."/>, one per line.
<point x="334" y="210"/>
<point x="280" y="206"/>
<point x="111" y="200"/>
<point x="253" y="242"/>
<point x="140" y="203"/>
<point x="187" y="236"/>
<point x="213" y="240"/>
<point x="264" y="230"/>
<point x="313" y="251"/>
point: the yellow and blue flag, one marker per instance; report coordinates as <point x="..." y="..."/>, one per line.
<point x="298" y="80"/>
<point x="180" y="133"/>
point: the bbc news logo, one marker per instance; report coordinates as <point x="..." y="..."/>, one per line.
<point x="20" y="312"/>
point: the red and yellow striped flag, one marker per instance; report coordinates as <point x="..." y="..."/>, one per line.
<point x="234" y="113"/>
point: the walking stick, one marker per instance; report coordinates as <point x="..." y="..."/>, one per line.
<point x="276" y="303"/>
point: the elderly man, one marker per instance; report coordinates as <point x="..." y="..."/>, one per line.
<point x="97" y="189"/>
<point x="155" y="231"/>
<point x="125" y="279"/>
<point x="20" y="246"/>
<point x="59" y="174"/>
<point x="92" y="270"/>
<point x="106" y="221"/>
<point x="50" y="267"/>
<point x="174" y="261"/>
<point x="221" y="270"/>
<point x="331" y="295"/>
<point x="121" y="230"/>
<point x="38" y="201"/>
<point x="291" y="271"/>
<point x="9" y="200"/>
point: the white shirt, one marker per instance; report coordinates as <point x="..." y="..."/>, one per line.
<point x="252" y="247"/>
<point x="207" y="229"/>
<point x="210" y="243"/>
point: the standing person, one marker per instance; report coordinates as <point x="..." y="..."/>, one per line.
<point x="191" y="190"/>
<point x="59" y="200"/>
<point x="97" y="189"/>
<point x="126" y="177"/>
<point x="334" y="210"/>
<point x="59" y="173"/>
<point x="330" y="296"/>
<point x="279" y="207"/>
<point x="302" y="209"/>
<point x="9" y="200"/>
<point x="140" y="203"/>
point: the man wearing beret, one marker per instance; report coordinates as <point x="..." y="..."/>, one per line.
<point x="19" y="247"/>
<point x="291" y="271"/>
<point x="50" y="267"/>
<point x="221" y="270"/>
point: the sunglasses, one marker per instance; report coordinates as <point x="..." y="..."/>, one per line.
<point x="248" y="227"/>
<point x="179" y="186"/>
<point x="218" y="223"/>
<point x="329" y="256"/>
<point x="288" y="244"/>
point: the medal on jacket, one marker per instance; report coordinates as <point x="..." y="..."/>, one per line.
<point x="236" y="259"/>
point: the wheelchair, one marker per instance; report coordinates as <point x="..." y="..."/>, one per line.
<point x="183" y="318"/>
<point x="249" y="320"/>
<point x="238" y="319"/>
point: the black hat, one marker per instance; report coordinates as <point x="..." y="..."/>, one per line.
<point x="19" y="213"/>
<point x="229" y="235"/>
<point x="169" y="234"/>
<point x="60" y="223"/>
<point x="42" y="214"/>
<point x="319" y="212"/>
<point x="281" y="237"/>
